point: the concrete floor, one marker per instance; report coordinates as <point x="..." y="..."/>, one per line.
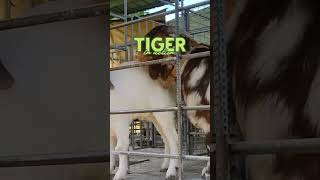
<point x="150" y="168"/>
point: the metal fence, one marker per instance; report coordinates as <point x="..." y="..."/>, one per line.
<point x="225" y="146"/>
<point x="179" y="108"/>
<point x="144" y="135"/>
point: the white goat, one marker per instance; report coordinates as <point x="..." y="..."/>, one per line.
<point x="134" y="89"/>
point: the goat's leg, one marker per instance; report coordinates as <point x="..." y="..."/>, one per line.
<point x="112" y="156"/>
<point x="167" y="126"/>
<point x="122" y="145"/>
<point x="166" y="161"/>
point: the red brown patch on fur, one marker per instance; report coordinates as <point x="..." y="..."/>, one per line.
<point x="164" y="70"/>
<point x="296" y="73"/>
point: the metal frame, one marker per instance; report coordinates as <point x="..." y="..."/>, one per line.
<point x="223" y="150"/>
<point x="179" y="108"/>
<point x="61" y="158"/>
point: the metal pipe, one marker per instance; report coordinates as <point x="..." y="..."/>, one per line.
<point x="125" y="12"/>
<point x="7" y="9"/>
<point x="186" y="108"/>
<point x="131" y="41"/>
<point x="76" y="13"/>
<point x="159" y="155"/>
<point x="200" y="107"/>
<point x="310" y="145"/>
<point x="54" y="159"/>
<point x="159" y="61"/>
<point x="178" y="92"/>
<point x="116" y="15"/>
<point x="219" y="112"/>
<point x="169" y="3"/>
<point x="143" y="110"/>
<point x="160" y="14"/>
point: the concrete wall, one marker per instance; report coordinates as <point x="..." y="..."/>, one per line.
<point x="58" y="103"/>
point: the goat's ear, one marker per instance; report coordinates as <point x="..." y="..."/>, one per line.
<point x="166" y="71"/>
<point x="155" y="70"/>
<point x="6" y="79"/>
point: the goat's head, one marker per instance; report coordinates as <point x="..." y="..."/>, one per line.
<point x="6" y="79"/>
<point x="165" y="72"/>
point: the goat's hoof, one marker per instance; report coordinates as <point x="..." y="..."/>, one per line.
<point x="163" y="169"/>
<point x="120" y="175"/>
<point x="171" y="178"/>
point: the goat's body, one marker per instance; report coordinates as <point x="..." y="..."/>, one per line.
<point x="273" y="59"/>
<point x="134" y="89"/>
<point x="273" y="55"/>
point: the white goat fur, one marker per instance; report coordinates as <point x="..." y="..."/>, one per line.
<point x="134" y="89"/>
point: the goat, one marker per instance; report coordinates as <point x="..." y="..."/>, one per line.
<point x="165" y="74"/>
<point x="273" y="50"/>
<point x="134" y="89"/>
<point x="273" y="60"/>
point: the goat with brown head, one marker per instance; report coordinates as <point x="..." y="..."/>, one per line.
<point x="164" y="72"/>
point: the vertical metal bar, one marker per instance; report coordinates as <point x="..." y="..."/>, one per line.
<point x="219" y="112"/>
<point x="188" y="137"/>
<point x="140" y="128"/>
<point x="179" y="100"/>
<point x="147" y="26"/>
<point x="112" y="59"/>
<point x="154" y="136"/>
<point x="132" y="135"/>
<point x="139" y="29"/>
<point x="7" y="9"/>
<point x="131" y="41"/>
<point x="125" y="9"/>
<point x="147" y="133"/>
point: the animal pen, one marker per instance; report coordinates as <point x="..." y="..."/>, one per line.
<point x="228" y="151"/>
<point x="197" y="23"/>
<point x="226" y="145"/>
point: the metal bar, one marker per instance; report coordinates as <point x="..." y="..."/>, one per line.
<point x="310" y="145"/>
<point x="160" y="14"/>
<point x="159" y="155"/>
<point x="143" y="110"/>
<point x="186" y="108"/>
<point x="200" y="31"/>
<point x="7" y="9"/>
<point x="131" y="40"/>
<point x="54" y="159"/>
<point x="159" y="61"/>
<point x="125" y="12"/>
<point x="197" y="133"/>
<point x="220" y="92"/>
<point x="132" y="134"/>
<point x="116" y="15"/>
<point x="179" y="96"/>
<point x="141" y="143"/>
<point x="169" y="3"/>
<point x="76" y="13"/>
<point x="200" y="107"/>
<point x="154" y="136"/>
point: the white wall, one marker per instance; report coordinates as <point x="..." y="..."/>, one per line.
<point x="58" y="103"/>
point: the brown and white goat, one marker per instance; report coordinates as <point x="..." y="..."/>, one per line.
<point x="193" y="92"/>
<point x="273" y="50"/>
